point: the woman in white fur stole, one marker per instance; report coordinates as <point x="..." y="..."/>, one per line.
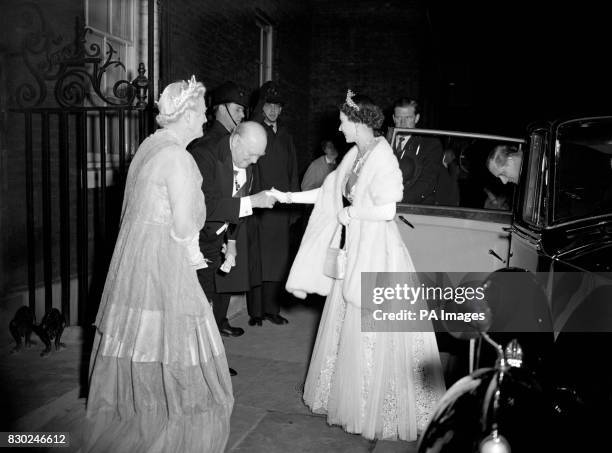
<point x="382" y="385"/>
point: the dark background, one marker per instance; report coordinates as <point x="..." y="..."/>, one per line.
<point x="505" y="64"/>
<point x="490" y="67"/>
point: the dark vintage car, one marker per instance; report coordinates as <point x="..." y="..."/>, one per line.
<point x="544" y="247"/>
<point x="554" y="228"/>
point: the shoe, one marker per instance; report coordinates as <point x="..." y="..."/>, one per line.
<point x="276" y="319"/>
<point x="228" y="331"/>
<point x="254" y="320"/>
<point x="233" y="372"/>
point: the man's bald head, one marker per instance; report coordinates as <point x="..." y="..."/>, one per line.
<point x="248" y="143"/>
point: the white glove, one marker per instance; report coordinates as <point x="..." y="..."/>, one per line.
<point x="231" y="252"/>
<point x="227" y="265"/>
<point x="283" y="197"/>
<point x="344" y="216"/>
<point x="192" y="247"/>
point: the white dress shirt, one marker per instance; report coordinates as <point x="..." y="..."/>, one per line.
<point x="240" y="179"/>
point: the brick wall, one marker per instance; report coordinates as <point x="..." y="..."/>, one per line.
<point x="320" y="49"/>
<point x="373" y="47"/>
<point x="219" y="40"/>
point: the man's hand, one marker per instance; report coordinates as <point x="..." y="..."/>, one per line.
<point x="230" y="261"/>
<point x="262" y="200"/>
<point x="230" y="251"/>
<point x="283" y="197"/>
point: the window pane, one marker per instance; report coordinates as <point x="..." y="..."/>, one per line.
<point x="460" y="178"/>
<point x="584" y="171"/>
<point x="97" y="10"/>
<point x="536" y="170"/>
<point x="265" y="52"/>
<point x="121" y="11"/>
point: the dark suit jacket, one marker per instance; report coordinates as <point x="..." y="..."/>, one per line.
<point x="215" y="163"/>
<point x="421" y="164"/>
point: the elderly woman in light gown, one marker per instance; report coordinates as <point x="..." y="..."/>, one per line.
<point x="382" y="385"/>
<point x="159" y="380"/>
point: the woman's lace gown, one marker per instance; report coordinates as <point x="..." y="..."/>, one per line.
<point x="159" y="375"/>
<point x="382" y="385"/>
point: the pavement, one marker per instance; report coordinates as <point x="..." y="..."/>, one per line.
<point x="44" y="394"/>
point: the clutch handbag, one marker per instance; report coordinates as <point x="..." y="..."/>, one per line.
<point x="335" y="258"/>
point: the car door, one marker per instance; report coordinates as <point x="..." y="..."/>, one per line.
<point x="473" y="235"/>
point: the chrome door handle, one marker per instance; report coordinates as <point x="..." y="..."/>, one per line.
<point x="492" y="252"/>
<point x="403" y="219"/>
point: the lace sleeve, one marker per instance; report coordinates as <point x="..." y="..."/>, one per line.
<point x="181" y="193"/>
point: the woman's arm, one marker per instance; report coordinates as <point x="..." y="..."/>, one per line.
<point x="305" y="197"/>
<point x="381" y="212"/>
<point x="181" y="194"/>
<point x="372" y="213"/>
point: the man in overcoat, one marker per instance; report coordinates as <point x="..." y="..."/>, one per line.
<point x="278" y="169"/>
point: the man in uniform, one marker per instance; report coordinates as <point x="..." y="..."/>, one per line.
<point x="278" y="169"/>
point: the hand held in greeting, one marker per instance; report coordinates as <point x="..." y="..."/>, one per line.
<point x="263" y="200"/>
<point x="280" y="196"/>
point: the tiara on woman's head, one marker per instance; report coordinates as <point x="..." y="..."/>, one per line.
<point x="186" y="93"/>
<point x="193" y="86"/>
<point x="349" y="100"/>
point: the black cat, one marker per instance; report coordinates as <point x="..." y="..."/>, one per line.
<point x="22" y="325"/>
<point x="51" y="327"/>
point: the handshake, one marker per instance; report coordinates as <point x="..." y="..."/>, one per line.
<point x="268" y="198"/>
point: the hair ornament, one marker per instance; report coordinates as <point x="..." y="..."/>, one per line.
<point x="193" y="86"/>
<point x="175" y="99"/>
<point x="349" y="100"/>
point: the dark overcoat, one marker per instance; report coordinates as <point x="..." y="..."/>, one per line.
<point x="278" y="169"/>
<point x="213" y="132"/>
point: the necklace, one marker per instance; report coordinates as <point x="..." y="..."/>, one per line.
<point x="358" y="165"/>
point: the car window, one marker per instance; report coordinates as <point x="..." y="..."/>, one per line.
<point x="462" y="178"/>
<point x="583" y="180"/>
<point x="478" y="188"/>
<point x="534" y="204"/>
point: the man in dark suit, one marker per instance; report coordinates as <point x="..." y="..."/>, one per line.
<point x="228" y="102"/>
<point x="227" y="182"/>
<point x="420" y="157"/>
